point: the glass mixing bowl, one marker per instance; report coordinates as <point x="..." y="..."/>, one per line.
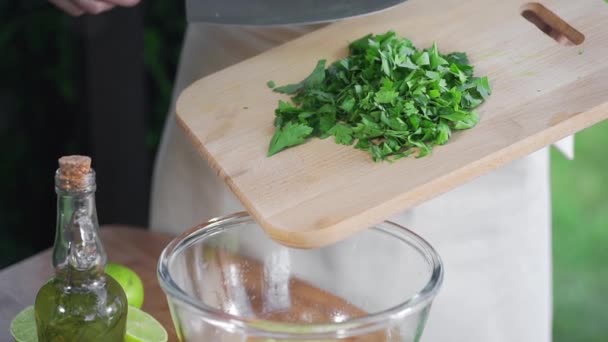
<point x="225" y="280"/>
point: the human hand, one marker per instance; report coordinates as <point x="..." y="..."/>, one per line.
<point x="78" y="7"/>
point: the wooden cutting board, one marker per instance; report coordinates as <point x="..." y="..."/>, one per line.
<point x="320" y="192"/>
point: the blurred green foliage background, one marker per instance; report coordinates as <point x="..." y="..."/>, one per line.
<point x="42" y="109"/>
<point x="40" y="90"/>
<point x="580" y="239"/>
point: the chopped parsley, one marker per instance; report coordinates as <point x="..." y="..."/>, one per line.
<point x="387" y="98"/>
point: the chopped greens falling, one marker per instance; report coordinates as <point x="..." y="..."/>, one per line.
<point x="386" y="97"/>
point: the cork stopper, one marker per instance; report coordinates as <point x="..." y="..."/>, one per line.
<point x="74" y="171"/>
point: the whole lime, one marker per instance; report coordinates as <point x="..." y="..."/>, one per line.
<point x="130" y="282"/>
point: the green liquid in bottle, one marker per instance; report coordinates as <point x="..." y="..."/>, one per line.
<point x="91" y="313"/>
<point x="81" y="303"/>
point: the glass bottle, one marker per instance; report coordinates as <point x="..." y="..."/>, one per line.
<point x="80" y="303"/>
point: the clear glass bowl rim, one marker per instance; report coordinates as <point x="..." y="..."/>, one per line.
<point x="280" y="330"/>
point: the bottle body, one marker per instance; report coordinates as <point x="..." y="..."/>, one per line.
<point x="81" y="302"/>
<point x="95" y="312"/>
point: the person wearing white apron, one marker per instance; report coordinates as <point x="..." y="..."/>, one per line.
<point x="493" y="234"/>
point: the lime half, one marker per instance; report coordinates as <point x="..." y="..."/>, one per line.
<point x="141" y="327"/>
<point x="23" y="326"/>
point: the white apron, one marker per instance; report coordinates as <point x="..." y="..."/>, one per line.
<point x="494" y="233"/>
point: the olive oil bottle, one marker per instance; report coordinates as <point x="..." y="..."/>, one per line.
<point x="81" y="302"/>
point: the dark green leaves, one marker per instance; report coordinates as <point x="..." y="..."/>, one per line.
<point x="387" y="98"/>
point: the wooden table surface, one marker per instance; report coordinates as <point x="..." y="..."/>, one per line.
<point x="138" y="249"/>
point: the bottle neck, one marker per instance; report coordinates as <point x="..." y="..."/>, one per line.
<point x="78" y="254"/>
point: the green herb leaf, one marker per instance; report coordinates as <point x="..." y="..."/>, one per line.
<point x="348" y="104"/>
<point x="423" y="59"/>
<point x="385" y="96"/>
<point x="342" y="133"/>
<point x="483" y="87"/>
<point x="468" y="122"/>
<point x="289" y="135"/>
<point x="313" y="80"/>
<point x="459" y="58"/>
<point x="443" y="133"/>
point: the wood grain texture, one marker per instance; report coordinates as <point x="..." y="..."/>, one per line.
<point x="138" y="249"/>
<point x="320" y="192"/>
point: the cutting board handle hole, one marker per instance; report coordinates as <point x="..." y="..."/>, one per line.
<point x="552" y="25"/>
